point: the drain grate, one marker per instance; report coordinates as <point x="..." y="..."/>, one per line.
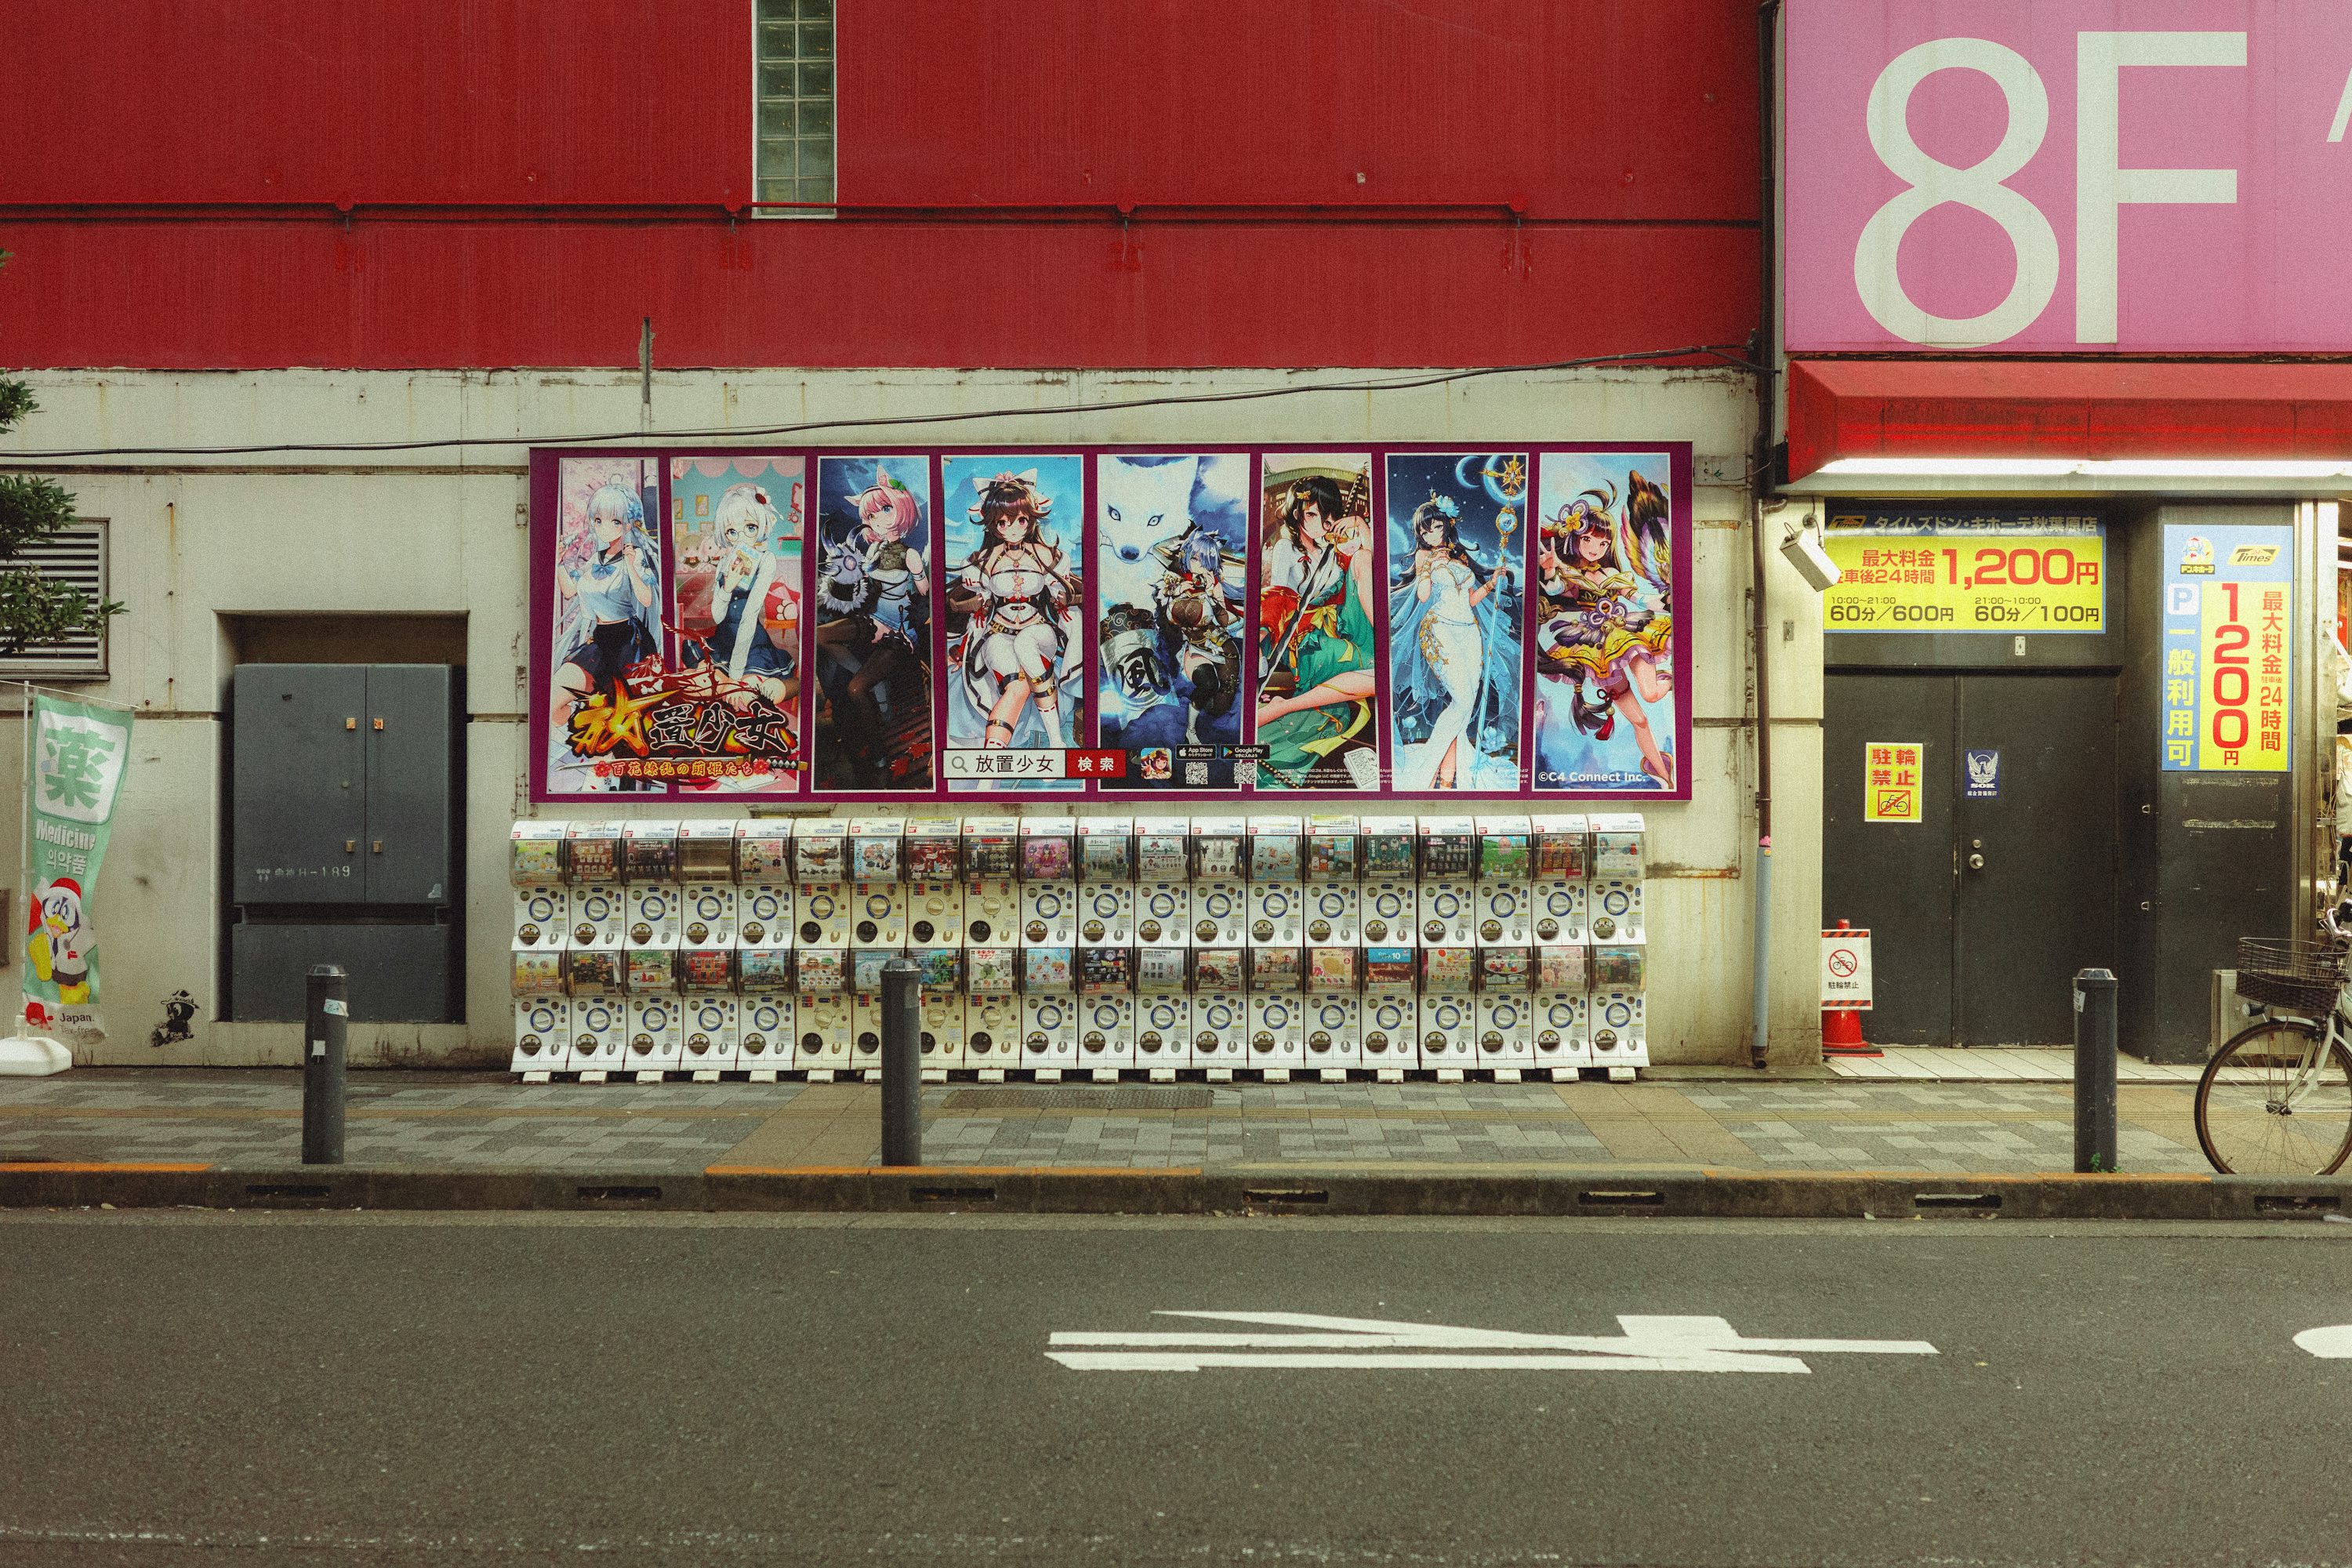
<point x="1121" y="1096"/>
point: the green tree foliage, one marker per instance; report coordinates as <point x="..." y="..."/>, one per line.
<point x="33" y="612"/>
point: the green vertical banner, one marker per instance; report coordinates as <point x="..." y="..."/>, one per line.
<point x="79" y="753"/>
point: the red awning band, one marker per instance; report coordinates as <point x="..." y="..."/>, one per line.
<point x="2069" y="409"/>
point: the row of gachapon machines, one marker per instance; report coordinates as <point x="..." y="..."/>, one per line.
<point x="1078" y="1008"/>
<point x="1166" y="882"/>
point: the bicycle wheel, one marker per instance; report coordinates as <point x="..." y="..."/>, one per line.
<point x="2260" y="1113"/>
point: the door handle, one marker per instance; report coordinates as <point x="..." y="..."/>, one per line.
<point x="1976" y="862"/>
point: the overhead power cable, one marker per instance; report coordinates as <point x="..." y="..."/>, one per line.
<point x="1727" y="354"/>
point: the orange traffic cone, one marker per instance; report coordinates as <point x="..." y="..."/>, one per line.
<point x="1842" y="1034"/>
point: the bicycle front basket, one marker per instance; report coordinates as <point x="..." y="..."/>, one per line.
<point x="2295" y="976"/>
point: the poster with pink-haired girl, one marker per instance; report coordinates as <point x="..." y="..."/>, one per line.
<point x="873" y="616"/>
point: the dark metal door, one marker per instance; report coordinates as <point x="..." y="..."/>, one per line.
<point x="1891" y="879"/>
<point x="409" y="801"/>
<point x="2037" y="859"/>
<point x="296" y="812"/>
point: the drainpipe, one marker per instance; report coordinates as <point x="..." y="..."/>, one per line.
<point x="1768" y="15"/>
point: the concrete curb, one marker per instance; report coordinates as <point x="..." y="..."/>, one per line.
<point x="1644" y="1195"/>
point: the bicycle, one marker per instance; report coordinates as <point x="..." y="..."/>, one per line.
<point x="2277" y="1100"/>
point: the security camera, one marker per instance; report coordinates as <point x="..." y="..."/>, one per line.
<point x="1803" y="551"/>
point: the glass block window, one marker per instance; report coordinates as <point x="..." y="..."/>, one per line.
<point x="795" y="54"/>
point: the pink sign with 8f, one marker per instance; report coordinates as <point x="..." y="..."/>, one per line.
<point x="2068" y="176"/>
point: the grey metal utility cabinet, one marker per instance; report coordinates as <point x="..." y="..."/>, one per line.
<point x="345" y="837"/>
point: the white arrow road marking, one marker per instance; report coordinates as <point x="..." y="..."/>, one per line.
<point x="2332" y="1343"/>
<point x="1646" y="1345"/>
<point x="2343" y="113"/>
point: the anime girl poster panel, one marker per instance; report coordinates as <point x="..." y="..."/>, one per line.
<point x="1602" y="624"/>
<point x="1171" y="596"/>
<point x="1317" y="694"/>
<point x="731" y="725"/>
<point x="1454" y="604"/>
<point x="872" y="648"/>
<point x="605" y="643"/>
<point x="1016" y="612"/>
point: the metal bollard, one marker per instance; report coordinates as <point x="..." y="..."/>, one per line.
<point x="325" y="1017"/>
<point x="2095" y="1070"/>
<point x="902" y="1064"/>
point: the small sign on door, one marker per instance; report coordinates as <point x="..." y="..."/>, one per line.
<point x="1983" y="779"/>
<point x="1890" y="781"/>
<point x="1845" y="969"/>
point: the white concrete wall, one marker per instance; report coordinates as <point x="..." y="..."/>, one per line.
<point x="198" y="537"/>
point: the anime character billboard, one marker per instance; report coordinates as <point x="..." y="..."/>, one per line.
<point x="1454" y="609"/>
<point x="1016" y="614"/>
<point x="873" y="615"/>
<point x="606" y="645"/>
<point x="736" y="525"/>
<point x="1171" y="593"/>
<point x="1318" y="659"/>
<point x="1602" y="623"/>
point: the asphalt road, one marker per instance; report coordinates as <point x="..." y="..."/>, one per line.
<point x="424" y="1388"/>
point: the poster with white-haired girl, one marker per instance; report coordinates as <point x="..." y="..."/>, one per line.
<point x="737" y="525"/>
<point x="608" y="601"/>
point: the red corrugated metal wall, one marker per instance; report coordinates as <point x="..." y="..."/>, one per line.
<point x="528" y="178"/>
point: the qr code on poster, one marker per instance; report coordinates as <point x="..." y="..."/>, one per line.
<point x="1196" y="775"/>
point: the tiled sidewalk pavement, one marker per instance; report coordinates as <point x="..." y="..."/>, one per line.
<point x="480" y="1122"/>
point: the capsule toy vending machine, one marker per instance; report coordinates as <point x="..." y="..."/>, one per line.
<point x="599" y="1009"/>
<point x="706" y="873"/>
<point x="820" y="883"/>
<point x="766" y="1008"/>
<point x="1563" y="859"/>
<point x="1563" y="1011"/>
<point x="1620" y="963"/>
<point x="1107" y="1010"/>
<point x="649" y="865"/>
<point x="1333" y="864"/>
<point x="1449" y="1012"/>
<point x="1220" y="893"/>
<point x="866" y="1007"/>
<point x="1334" y="1009"/>
<point x="542" y="1015"/>
<point x="1106" y="881"/>
<point x="1163" y="882"/>
<point x="1277" y="905"/>
<point x="992" y="1010"/>
<point x="542" y="910"/>
<point x="1389" y="897"/>
<point x="1163" y="1011"/>
<point x="707" y="1007"/>
<point x="542" y="900"/>
<point x="765" y="904"/>
<point x="1049" y="881"/>
<point x="657" y="1023"/>
<point x="821" y="1009"/>
<point x="1277" y="1012"/>
<point x="1618" y="867"/>
<point x="1621" y="1036"/>
<point x="599" y="905"/>
<point x="878" y="885"/>
<point x="1390" y="1011"/>
<point x="991" y="882"/>
<point x="1507" y="1035"/>
<point x="1220" y="1011"/>
<point x="934" y="882"/>
<point x="1503" y="897"/>
<point x="940" y="999"/>
<point x="1049" y="1011"/>
<point x="1448" y="865"/>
